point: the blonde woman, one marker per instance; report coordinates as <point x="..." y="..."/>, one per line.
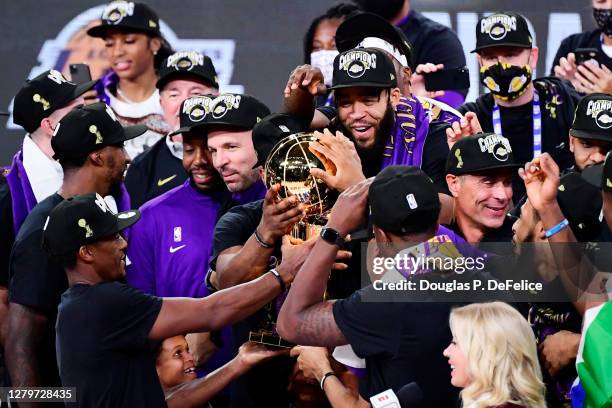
<point x="493" y="357"/>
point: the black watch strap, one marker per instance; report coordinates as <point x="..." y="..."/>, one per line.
<point x="332" y="236"/>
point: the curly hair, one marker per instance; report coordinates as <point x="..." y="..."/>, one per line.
<point x="341" y="11"/>
<point x="501" y="354"/>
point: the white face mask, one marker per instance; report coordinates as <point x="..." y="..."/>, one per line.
<point x="324" y="60"/>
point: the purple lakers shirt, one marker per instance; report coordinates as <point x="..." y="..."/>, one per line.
<point x="169" y="248"/>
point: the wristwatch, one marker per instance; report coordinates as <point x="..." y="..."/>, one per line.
<point x="332" y="236"/>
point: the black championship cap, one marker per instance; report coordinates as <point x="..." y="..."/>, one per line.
<point x="88" y="128"/>
<point x="129" y="16"/>
<point x="403" y="200"/>
<point x="81" y="220"/>
<point x="368" y="67"/>
<point x="369" y="30"/>
<point x="581" y="204"/>
<point x="41" y="96"/>
<point x="189" y="63"/>
<point x="241" y="111"/>
<point x="600" y="175"/>
<point x="503" y="29"/>
<point x="271" y="130"/>
<point x="483" y="151"/>
<point x="593" y="118"/>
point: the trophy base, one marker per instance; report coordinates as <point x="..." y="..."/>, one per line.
<point x="269" y="339"/>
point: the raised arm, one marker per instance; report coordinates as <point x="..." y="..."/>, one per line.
<point x="197" y="392"/>
<point x="241" y="264"/>
<point x="305" y="82"/>
<point x="304" y="317"/>
<point x="186" y="315"/>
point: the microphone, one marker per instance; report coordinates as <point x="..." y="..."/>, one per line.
<point x="409" y="396"/>
<point x="386" y="399"/>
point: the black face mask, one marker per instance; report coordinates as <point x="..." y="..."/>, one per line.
<point x="603" y="17"/>
<point x="506" y="81"/>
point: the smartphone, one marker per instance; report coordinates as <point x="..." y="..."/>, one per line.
<point x="80" y="73"/>
<point x="587" y="56"/>
<point x="453" y="78"/>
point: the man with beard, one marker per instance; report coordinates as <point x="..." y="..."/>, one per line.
<point x="590" y="138"/>
<point x="557" y="324"/>
<point x="88" y="144"/>
<point x="171" y="245"/>
<point x="535" y="115"/>
<point x="160" y="168"/>
<point x="385" y="128"/>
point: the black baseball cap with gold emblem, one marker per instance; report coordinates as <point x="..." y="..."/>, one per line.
<point x="235" y="110"/>
<point x="187" y="63"/>
<point x="480" y="152"/>
<point x="593" y="118"/>
<point x="88" y="128"/>
<point x="364" y="67"/>
<point x="41" y="96"/>
<point x="127" y="15"/>
<point x="600" y="175"/>
<point x="81" y="220"/>
<point x="506" y="29"/>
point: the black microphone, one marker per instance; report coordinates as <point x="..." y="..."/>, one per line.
<point x="410" y="395"/>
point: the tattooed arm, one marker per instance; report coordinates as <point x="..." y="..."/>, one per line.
<point x="24" y="335"/>
<point x="305" y="318"/>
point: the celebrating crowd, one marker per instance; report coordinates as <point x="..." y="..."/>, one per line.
<point x="161" y="244"/>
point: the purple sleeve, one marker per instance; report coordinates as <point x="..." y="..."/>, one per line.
<point x="141" y="252"/>
<point x="452" y="98"/>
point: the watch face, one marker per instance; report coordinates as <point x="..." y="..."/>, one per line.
<point x="330" y="235"/>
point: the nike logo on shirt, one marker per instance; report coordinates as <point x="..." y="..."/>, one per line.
<point x="161" y="182"/>
<point x="173" y="249"/>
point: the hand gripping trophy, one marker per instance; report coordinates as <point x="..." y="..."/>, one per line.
<point x="289" y="165"/>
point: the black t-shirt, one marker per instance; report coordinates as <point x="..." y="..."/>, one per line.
<point x="152" y="173"/>
<point x="102" y="345"/>
<point x="401" y="342"/>
<point x="433" y="42"/>
<point x="7" y="235"/>
<point x="266" y="384"/>
<point x="557" y="103"/>
<point x="402" y="335"/>
<point x="38" y="282"/>
<point x="587" y="39"/>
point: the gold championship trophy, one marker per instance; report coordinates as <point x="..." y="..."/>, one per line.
<point x="289" y="164"/>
